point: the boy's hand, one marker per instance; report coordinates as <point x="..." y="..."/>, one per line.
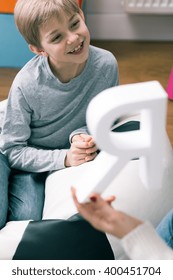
<point x="82" y="149"/>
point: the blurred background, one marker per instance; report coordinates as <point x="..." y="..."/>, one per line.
<point x="138" y="32"/>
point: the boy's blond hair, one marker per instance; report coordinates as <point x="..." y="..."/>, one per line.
<point x="29" y="15"/>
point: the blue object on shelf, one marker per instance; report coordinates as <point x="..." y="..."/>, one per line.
<point x="14" y="51"/>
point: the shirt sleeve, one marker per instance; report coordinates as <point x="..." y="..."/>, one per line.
<point x="143" y="243"/>
<point x="16" y="132"/>
<point x="82" y="130"/>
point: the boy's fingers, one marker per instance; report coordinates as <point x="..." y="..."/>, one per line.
<point x="90" y="157"/>
<point x="80" y="144"/>
<point x="86" y="137"/>
<point x="91" y="150"/>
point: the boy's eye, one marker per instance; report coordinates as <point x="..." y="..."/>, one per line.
<point x="56" y="38"/>
<point x="76" y="23"/>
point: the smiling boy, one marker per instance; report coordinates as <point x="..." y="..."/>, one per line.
<point x="48" y="99"/>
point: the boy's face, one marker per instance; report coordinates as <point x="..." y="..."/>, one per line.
<point x="65" y="40"/>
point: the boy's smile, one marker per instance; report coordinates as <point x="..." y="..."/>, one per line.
<point x="65" y="41"/>
<point x="78" y="49"/>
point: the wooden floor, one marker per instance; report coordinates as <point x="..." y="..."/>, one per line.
<point x="138" y="62"/>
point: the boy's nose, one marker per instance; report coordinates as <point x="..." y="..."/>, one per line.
<point x="72" y="38"/>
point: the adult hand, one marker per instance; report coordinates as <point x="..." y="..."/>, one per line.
<point x="101" y="215"/>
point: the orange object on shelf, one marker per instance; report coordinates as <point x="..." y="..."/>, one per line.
<point x="80" y="3"/>
<point x="7" y="6"/>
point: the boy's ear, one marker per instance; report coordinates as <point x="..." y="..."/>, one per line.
<point x="37" y="50"/>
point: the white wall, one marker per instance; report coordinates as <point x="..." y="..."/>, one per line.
<point x="107" y="19"/>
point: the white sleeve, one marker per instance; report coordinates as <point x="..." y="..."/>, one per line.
<point x="143" y="243"/>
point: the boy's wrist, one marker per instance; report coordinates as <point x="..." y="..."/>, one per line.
<point x="66" y="161"/>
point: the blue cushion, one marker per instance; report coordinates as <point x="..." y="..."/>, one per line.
<point x="13" y="48"/>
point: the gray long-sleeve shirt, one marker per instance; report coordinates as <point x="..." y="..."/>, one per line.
<point x="42" y="112"/>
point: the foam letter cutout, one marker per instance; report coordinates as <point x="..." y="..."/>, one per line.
<point x="149" y="100"/>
